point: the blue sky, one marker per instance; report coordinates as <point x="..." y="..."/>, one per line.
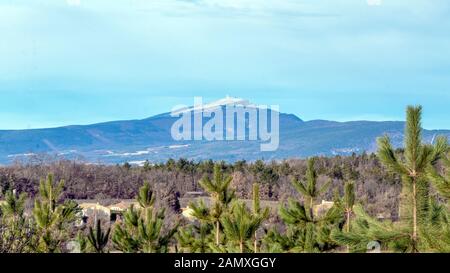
<point x="79" y="62"/>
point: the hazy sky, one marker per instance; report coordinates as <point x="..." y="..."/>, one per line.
<point x="83" y="61"/>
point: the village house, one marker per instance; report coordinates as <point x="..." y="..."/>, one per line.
<point x="91" y="211"/>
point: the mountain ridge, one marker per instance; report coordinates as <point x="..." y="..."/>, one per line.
<point x="150" y="139"/>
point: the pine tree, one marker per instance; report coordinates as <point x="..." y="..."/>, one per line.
<point x="240" y="225"/>
<point x="200" y="235"/>
<point x="125" y="235"/>
<point x="416" y="204"/>
<point x="221" y="195"/>
<point x="50" y="193"/>
<point x="349" y="202"/>
<point x="142" y="231"/>
<point x="309" y="188"/>
<point x="441" y="182"/>
<point x="17" y="234"/>
<point x="437" y="235"/>
<point x="310" y="232"/>
<point x="82" y="241"/>
<point x="53" y="220"/>
<point x="14" y="206"/>
<point x="142" y="228"/>
<point x="196" y="238"/>
<point x="145" y="197"/>
<point x="412" y="168"/>
<point x="98" y="240"/>
<point x="292" y="240"/>
<point x="366" y="229"/>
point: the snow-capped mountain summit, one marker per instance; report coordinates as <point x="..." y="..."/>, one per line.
<point x="227" y="101"/>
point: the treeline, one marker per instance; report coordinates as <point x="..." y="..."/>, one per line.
<point x="376" y="187"/>
<point x="420" y="175"/>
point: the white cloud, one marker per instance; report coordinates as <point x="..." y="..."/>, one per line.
<point x="374" y="2"/>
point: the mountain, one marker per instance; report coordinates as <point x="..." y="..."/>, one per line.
<point x="150" y="139"/>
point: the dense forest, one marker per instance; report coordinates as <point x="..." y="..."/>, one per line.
<point x="409" y="187"/>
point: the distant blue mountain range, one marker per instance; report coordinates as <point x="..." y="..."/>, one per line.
<point x="150" y="139"/>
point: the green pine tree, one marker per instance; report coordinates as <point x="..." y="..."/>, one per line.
<point x="196" y="238"/>
<point x="441" y="181"/>
<point x="310" y="232"/>
<point x="143" y="228"/>
<point x="17" y="233"/>
<point x="308" y="189"/>
<point x="437" y="235"/>
<point x="145" y="197"/>
<point x="291" y="240"/>
<point x="53" y="221"/>
<point x="200" y="235"/>
<point x="222" y="195"/>
<point x="98" y="239"/>
<point x="349" y="202"/>
<point x="50" y="193"/>
<point x="14" y="206"/>
<point x="365" y="230"/>
<point x="240" y="225"/>
<point x="82" y="241"/>
<point x="415" y="212"/>
<point x="412" y="168"/>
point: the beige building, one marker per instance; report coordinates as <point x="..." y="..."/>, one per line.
<point x="188" y="213"/>
<point x="322" y="208"/>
